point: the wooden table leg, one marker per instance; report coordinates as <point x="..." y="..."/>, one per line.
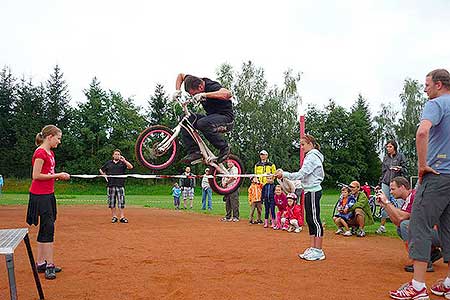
<point x="33" y="267"/>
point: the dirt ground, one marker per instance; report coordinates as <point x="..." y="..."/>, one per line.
<point x="166" y="254"/>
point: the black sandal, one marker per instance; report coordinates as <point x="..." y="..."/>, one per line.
<point x="114" y="220"/>
<point x="123" y="220"/>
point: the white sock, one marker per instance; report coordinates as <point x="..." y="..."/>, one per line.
<point x="447" y="282"/>
<point x="418" y="285"/>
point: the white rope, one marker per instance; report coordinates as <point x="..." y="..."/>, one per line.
<point x="153" y="176"/>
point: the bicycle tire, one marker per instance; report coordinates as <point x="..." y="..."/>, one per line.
<point x="215" y="182"/>
<point x="146" y="152"/>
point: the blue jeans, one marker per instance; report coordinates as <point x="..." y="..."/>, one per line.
<point x="207" y="192"/>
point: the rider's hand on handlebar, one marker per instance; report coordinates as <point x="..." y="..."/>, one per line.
<point x="176" y="95"/>
<point x="200" y="97"/>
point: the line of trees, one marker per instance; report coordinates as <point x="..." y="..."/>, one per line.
<point x="266" y="118"/>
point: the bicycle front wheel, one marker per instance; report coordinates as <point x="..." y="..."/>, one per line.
<point x="216" y="181"/>
<point x="153" y="150"/>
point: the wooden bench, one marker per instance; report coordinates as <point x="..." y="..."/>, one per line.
<point x="9" y="240"/>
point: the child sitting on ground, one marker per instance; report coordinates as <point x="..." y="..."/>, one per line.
<point x="281" y="203"/>
<point x="291" y="218"/>
<point x="254" y="199"/>
<point x="176" y="193"/>
<point x="346" y="201"/>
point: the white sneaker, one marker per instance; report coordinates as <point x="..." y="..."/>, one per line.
<point x="290" y="229"/>
<point x="317" y="254"/>
<point x="381" y="230"/>
<point x="298" y="229"/>
<point x="339" y="231"/>
<point x="347" y="233"/>
<point x="306" y="252"/>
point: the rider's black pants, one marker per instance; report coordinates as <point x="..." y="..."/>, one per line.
<point x="209" y="125"/>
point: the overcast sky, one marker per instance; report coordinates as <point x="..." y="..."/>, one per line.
<point x="342" y="47"/>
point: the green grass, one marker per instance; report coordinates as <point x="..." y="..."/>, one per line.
<point x="159" y="196"/>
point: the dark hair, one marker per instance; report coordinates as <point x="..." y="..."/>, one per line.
<point x="117" y="150"/>
<point x="310" y="139"/>
<point x="393" y="143"/>
<point x="400" y="180"/>
<point x="346" y="188"/>
<point x="191" y="82"/>
<point x="441" y="75"/>
<point x="45" y="132"/>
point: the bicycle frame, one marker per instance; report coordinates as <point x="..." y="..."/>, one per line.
<point x="208" y="156"/>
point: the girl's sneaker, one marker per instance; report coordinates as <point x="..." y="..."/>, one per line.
<point x="339" y="231"/>
<point x="316" y="254"/>
<point x="306" y="252"/>
<point x="347" y="233"/>
<point x="276" y="228"/>
<point x="298" y="229"/>
<point x="290" y="228"/>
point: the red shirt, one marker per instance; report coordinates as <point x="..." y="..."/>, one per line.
<point x="42" y="187"/>
<point x="407" y="206"/>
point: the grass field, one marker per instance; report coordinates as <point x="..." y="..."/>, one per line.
<point x="148" y="194"/>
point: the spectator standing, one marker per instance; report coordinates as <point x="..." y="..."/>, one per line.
<point x="394" y="164"/>
<point x="1" y="184"/>
<point x="187" y="184"/>
<point x="432" y="202"/>
<point x="268" y="197"/>
<point x="206" y="191"/>
<point x="116" y="186"/>
<point x="176" y="193"/>
<point x="232" y="199"/>
<point x="264" y="166"/>
<point x="254" y="199"/>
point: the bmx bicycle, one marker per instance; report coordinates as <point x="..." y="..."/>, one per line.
<point x="157" y="146"/>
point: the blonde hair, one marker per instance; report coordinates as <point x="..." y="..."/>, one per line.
<point x="45" y="132"/>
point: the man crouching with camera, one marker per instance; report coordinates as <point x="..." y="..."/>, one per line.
<point x="401" y="189"/>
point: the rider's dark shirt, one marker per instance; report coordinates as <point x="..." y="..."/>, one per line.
<point x="216" y="106"/>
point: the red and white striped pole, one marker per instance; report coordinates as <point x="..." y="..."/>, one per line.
<point x="301" y="114"/>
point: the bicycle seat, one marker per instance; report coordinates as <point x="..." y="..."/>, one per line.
<point x="225" y="127"/>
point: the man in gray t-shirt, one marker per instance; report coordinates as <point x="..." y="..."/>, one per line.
<point x="432" y="204"/>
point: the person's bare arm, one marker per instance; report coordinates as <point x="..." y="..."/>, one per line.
<point x="222" y="94"/>
<point x="179" y="81"/>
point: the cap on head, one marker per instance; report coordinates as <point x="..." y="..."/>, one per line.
<point x="263" y="152"/>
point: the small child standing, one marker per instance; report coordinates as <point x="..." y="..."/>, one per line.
<point x="346" y="201"/>
<point x="267" y="195"/>
<point x="291" y="219"/>
<point x="176" y="193"/>
<point x="281" y="203"/>
<point x="254" y="199"/>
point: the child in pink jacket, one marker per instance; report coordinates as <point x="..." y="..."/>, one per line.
<point x="291" y="218"/>
<point x="281" y="203"/>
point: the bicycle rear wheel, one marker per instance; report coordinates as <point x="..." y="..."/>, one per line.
<point x="149" y="151"/>
<point x="216" y="181"/>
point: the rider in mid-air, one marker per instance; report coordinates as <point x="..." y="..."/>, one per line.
<point x="216" y="101"/>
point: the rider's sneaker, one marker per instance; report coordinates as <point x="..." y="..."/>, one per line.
<point x="440" y="289"/>
<point x="407" y="292"/>
<point x="223" y="154"/>
<point x="192" y="157"/>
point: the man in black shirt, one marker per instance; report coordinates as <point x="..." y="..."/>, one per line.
<point x="216" y="101"/>
<point x="116" y="186"/>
